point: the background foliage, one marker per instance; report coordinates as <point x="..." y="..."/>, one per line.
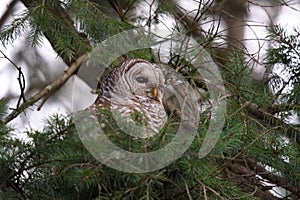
<point x="257" y="155"/>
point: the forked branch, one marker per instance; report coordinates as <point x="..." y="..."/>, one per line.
<point x="54" y="86"/>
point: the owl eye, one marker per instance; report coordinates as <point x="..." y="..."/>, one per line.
<point x="141" y="79"/>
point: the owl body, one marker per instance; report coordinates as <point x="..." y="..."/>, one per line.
<point x="134" y="91"/>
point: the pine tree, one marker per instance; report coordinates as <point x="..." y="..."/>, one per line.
<point x="257" y="151"/>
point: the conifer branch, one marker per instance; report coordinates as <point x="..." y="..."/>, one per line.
<point x="54" y="86"/>
<point x="289" y="129"/>
<point x="243" y="176"/>
<point x="273" y="178"/>
<point x="80" y="49"/>
<point x="68" y="24"/>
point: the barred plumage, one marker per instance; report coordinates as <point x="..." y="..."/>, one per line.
<point x="135" y="87"/>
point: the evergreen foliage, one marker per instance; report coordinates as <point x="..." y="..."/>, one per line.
<point x="257" y="147"/>
<point x="285" y="53"/>
<point x="54" y="164"/>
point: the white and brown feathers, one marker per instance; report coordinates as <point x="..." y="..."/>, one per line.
<point x="135" y="87"/>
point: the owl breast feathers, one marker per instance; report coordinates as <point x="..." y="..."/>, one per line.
<point x="134" y="92"/>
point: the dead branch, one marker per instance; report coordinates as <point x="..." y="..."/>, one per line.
<point x="21" y="80"/>
<point x="54" y="86"/>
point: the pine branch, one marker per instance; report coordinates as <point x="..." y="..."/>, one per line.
<point x="76" y="59"/>
<point x="289" y="129"/>
<point x="273" y="178"/>
<point x="54" y="86"/>
<point x="79" y="48"/>
<point x="278" y="108"/>
<point x="244" y="177"/>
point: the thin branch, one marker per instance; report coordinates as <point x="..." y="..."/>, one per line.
<point x="188" y="21"/>
<point x="44" y="100"/>
<point x="21" y="80"/>
<point x="278" y="108"/>
<point x="254" y="141"/>
<point x="211" y="189"/>
<point x="186" y="187"/>
<point x="129" y="7"/>
<point x="289" y="129"/>
<point x="273" y="178"/>
<point x="204" y="191"/>
<point x="244" y="177"/>
<point x="54" y="86"/>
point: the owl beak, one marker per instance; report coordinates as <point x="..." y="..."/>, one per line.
<point x="155" y="94"/>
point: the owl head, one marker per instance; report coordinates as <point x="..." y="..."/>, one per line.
<point x="135" y="87"/>
<point x="135" y="78"/>
<point x="145" y="80"/>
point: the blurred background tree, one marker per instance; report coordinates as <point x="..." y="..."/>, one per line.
<point x="257" y="155"/>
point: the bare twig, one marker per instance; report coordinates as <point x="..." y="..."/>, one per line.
<point x="204" y="192"/>
<point x="211" y="189"/>
<point x="129" y="7"/>
<point x="54" y="86"/>
<point x="21" y="80"/>
<point x="186" y="187"/>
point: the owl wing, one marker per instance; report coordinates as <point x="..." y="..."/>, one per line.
<point x="179" y="95"/>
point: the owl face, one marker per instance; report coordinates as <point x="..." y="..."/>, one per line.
<point x="145" y="80"/>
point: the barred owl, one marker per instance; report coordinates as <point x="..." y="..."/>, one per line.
<point x="134" y="90"/>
